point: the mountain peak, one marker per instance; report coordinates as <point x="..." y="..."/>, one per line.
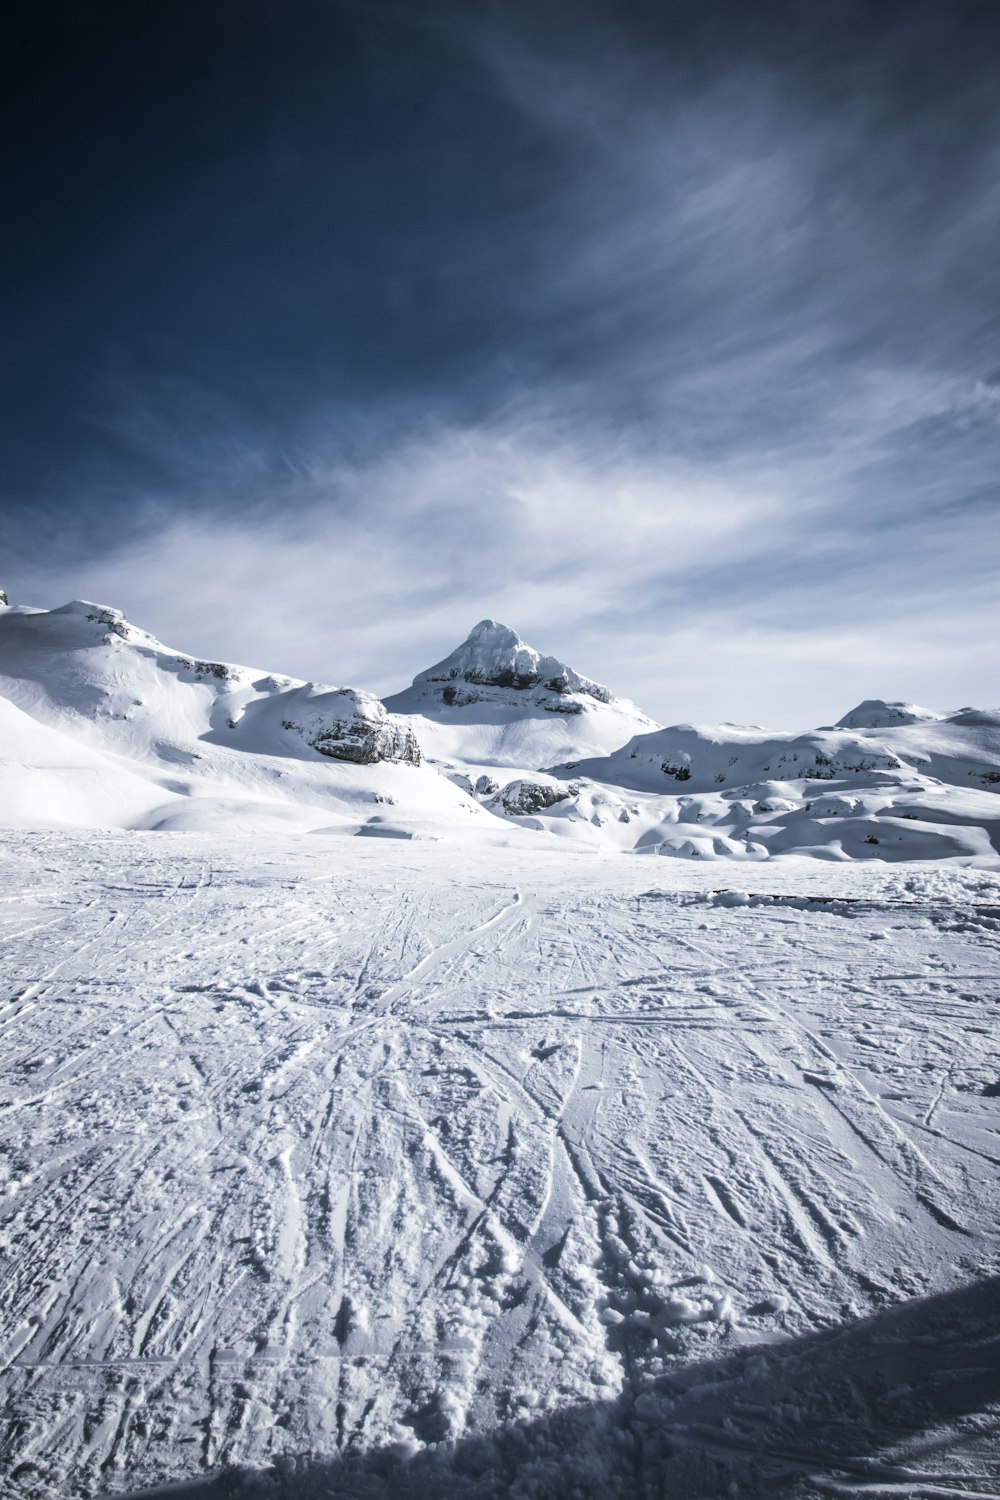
<point x="496" y="701"/>
<point x="494" y="656"/>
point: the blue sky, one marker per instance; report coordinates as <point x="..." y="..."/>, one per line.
<point x="666" y="333"/>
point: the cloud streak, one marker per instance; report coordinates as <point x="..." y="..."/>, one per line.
<point x="676" y="352"/>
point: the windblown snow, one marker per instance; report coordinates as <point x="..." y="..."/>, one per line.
<point x="469" y="1158"/>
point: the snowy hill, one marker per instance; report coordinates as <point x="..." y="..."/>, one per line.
<point x="497" y="702"/>
<point x="875" y="713"/>
<point x="962" y="750"/>
<point x="104" y="726"/>
<point x="141" y="735"/>
<point x="920" y="786"/>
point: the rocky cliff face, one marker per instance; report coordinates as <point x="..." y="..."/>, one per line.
<point x="353" y="726"/>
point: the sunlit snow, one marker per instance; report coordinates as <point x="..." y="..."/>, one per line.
<point x="616" y="1117"/>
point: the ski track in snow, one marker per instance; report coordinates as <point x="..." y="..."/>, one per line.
<point x="316" y="1153"/>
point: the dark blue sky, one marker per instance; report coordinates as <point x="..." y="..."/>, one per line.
<point x="670" y="331"/>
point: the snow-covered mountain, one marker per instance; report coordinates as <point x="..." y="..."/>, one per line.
<point x="903" y="783"/>
<point x="497" y="702"/>
<point x="106" y="725"/>
<point x="961" y="749"/>
<point x="102" y="725"/>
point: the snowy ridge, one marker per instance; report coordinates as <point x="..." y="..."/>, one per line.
<point x="875" y="713"/>
<point x="106" y="726"/>
<point x="195" y="742"/>
<point x="921" y="788"/>
<point x="962" y="749"/>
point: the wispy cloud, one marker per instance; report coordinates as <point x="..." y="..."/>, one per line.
<point x="656" y="575"/>
<point x="692" y="379"/>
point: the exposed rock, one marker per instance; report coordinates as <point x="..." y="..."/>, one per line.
<point x="113" y="619"/>
<point x="679" y="772"/>
<point x="458" y="778"/>
<point x="519" y="799"/>
<point x="220" y="669"/>
<point x="345" y="724"/>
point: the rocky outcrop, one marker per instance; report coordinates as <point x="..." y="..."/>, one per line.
<point x="345" y="724"/>
<point x="219" y="669"/>
<point x="519" y="799"/>
<point x="111" y="619"/>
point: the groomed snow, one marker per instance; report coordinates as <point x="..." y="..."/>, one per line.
<point x="367" y="1168"/>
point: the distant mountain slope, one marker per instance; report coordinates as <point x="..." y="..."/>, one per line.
<point x="923" y="785"/>
<point x="231" y="737"/>
<point x="962" y="750"/>
<point x="495" y="701"/>
<point x="102" y="725"/>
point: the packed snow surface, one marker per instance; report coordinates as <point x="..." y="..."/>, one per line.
<point x="337" y="1167"/>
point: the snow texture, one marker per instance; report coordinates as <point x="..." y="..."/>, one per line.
<point x="494" y="1172"/>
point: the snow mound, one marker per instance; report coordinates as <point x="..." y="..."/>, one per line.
<point x="48" y="779"/>
<point x="875" y="713"/>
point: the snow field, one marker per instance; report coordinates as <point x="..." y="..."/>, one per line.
<point x="366" y="1167"/>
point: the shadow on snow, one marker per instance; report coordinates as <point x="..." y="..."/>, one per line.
<point x="903" y="1403"/>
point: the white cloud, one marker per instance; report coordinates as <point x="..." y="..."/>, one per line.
<point x="695" y="592"/>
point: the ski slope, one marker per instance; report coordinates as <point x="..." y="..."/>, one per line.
<point x="363" y="1168"/>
